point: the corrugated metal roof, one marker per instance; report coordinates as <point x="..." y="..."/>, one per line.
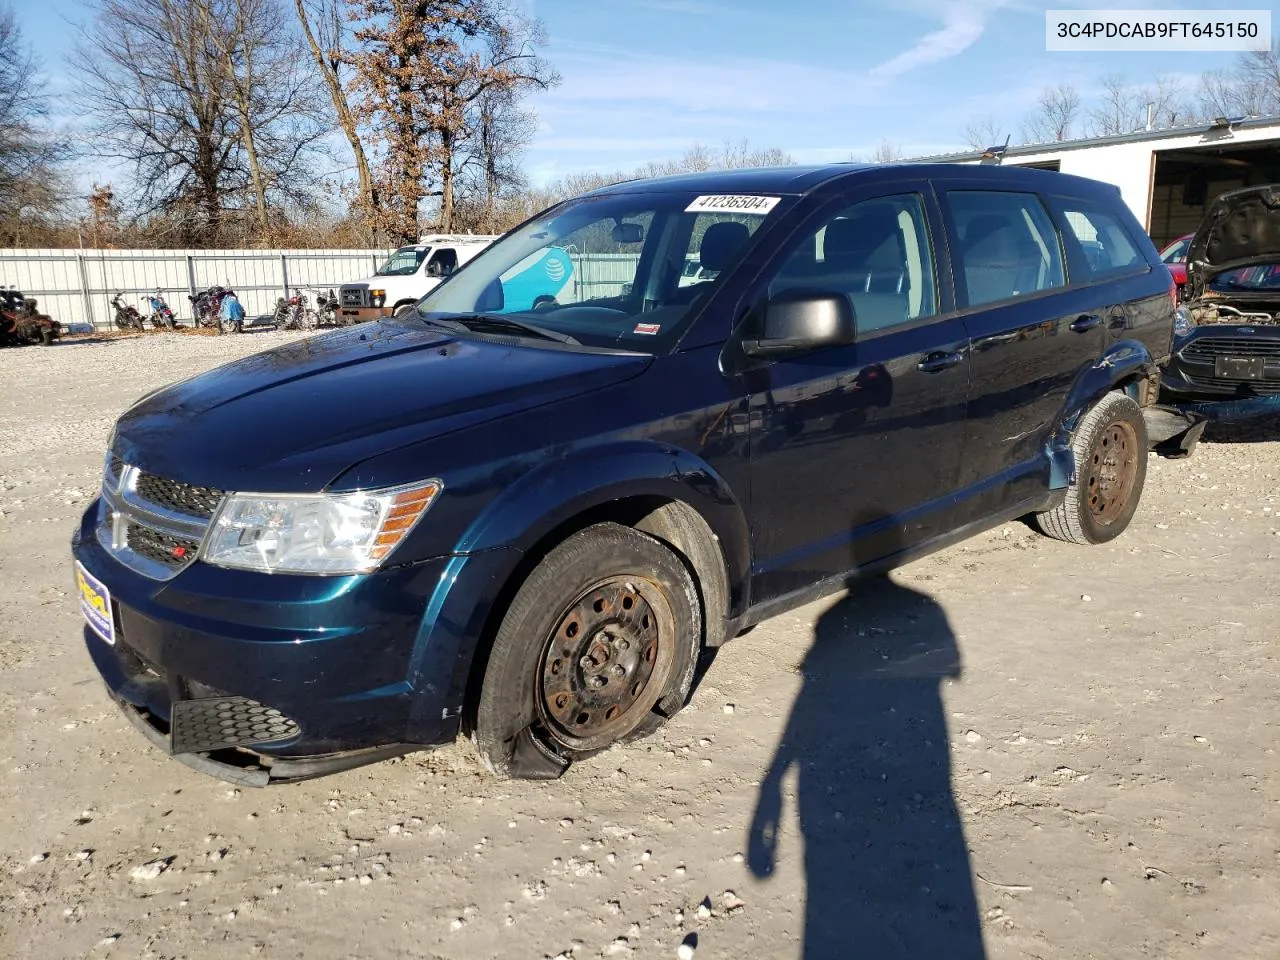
<point x="1055" y="146"/>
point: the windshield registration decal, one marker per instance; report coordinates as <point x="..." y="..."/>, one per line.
<point x="649" y="328"/>
<point x="732" y="203"/>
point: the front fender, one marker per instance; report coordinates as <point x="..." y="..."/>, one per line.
<point x="558" y="490"/>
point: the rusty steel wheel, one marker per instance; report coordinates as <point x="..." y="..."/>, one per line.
<point x="1109" y="448"/>
<point x="1112" y="470"/>
<point x="606" y="663"/>
<point x="598" y="647"/>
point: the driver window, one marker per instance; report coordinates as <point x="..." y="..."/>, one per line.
<point x="442" y="263"/>
<point x="877" y="252"/>
<point x="595" y="264"/>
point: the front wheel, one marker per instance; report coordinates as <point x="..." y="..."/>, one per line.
<point x="1110" y="452"/>
<point x="598" y="648"/>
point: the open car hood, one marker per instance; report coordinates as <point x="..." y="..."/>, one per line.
<point x="1240" y="229"/>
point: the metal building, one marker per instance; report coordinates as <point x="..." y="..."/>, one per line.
<point x="1168" y="177"/>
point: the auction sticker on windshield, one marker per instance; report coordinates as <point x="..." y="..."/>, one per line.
<point x="732" y="203"/>
<point x="95" y="604"/>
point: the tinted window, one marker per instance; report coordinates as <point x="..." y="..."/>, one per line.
<point x="1106" y="246"/>
<point x="1008" y="246"/>
<point x="878" y="253"/>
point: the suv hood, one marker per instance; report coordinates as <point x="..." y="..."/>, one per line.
<point x="1241" y="228"/>
<point x="295" y="417"/>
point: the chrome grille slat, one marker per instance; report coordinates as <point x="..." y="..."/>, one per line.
<point x="152" y="524"/>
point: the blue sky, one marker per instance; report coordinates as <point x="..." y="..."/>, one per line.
<point x="822" y="79"/>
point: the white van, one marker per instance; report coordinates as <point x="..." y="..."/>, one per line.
<point x="407" y="276"/>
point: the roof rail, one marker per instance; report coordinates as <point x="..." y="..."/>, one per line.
<point x="456" y="237"/>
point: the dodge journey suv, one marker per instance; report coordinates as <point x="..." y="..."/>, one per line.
<point x="520" y="516"/>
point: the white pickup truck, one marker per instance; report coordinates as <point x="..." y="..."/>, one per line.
<point x="407" y="276"/>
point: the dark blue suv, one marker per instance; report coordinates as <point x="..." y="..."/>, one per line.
<point x="523" y="508"/>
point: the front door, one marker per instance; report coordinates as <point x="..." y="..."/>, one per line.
<point x="855" y="450"/>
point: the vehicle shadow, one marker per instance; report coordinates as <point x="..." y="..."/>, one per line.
<point x="887" y="872"/>
<point x="1257" y="430"/>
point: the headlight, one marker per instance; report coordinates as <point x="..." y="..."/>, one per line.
<point x="377" y="297"/>
<point x="1182" y="322"/>
<point x="343" y="533"/>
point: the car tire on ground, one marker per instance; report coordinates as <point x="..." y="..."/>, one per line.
<point x="598" y="647"/>
<point x="1110" y="452"/>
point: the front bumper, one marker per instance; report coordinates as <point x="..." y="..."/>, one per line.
<point x="362" y="314"/>
<point x="260" y="678"/>
<point x="1205" y="364"/>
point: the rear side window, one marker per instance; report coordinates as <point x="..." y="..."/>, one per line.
<point x="1106" y="248"/>
<point x="1008" y="246"/>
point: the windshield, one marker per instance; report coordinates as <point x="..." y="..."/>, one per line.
<point x="608" y="271"/>
<point x="403" y="262"/>
<point x="1259" y="277"/>
<point x="1177" y="252"/>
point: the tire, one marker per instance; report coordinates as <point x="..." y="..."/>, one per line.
<point x="46" y="336"/>
<point x="1110" y="452"/>
<point x="538" y="712"/>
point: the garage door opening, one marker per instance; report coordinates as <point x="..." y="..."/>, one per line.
<point x="1187" y="181"/>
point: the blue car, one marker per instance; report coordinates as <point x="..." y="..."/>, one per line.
<point x="533" y="501"/>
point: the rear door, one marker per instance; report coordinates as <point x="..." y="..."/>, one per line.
<point x="1031" y="335"/>
<point x="855" y="450"/>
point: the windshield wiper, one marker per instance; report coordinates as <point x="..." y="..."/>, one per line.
<point x="480" y="322"/>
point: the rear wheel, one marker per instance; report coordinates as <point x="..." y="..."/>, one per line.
<point x="1110" y="451"/>
<point x="598" y="647"/>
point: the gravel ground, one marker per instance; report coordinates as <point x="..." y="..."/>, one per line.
<point x="1015" y="748"/>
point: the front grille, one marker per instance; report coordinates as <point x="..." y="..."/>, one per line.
<point x="178" y="497"/>
<point x="1206" y="348"/>
<point x="353" y="298"/>
<point x="218" y="723"/>
<point x="1245" y="386"/>
<point x="114" y="468"/>
<point x="160" y="547"/>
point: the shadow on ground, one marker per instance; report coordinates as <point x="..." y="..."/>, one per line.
<point x="886" y="868"/>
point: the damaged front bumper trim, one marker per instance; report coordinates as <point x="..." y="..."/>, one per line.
<point x="244" y="767"/>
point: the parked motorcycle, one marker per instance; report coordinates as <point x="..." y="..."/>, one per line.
<point x="206" y="306"/>
<point x="161" y="316"/>
<point x="295" y="313"/>
<point x="21" y="322"/>
<point x="126" y="316"/>
<point x="327" y="307"/>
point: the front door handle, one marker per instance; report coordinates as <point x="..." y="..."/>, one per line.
<point x="1087" y="322"/>
<point x="936" y="362"/>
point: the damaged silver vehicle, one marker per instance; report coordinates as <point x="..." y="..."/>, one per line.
<point x="1226" y="350"/>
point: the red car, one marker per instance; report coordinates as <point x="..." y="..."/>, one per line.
<point x="1175" y="255"/>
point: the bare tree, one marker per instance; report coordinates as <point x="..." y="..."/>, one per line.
<point x="322" y="23"/>
<point x="1125" y="108"/>
<point x="1250" y="88"/>
<point x="201" y="134"/>
<point x="982" y="132"/>
<point x="30" y="181"/>
<point x="886" y="152"/>
<point x="1056" y="115"/>
<point x="501" y="131"/>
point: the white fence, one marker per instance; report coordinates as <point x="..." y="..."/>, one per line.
<point x="76" y="286"/>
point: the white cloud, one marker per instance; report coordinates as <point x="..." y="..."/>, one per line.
<point x="963" y="23"/>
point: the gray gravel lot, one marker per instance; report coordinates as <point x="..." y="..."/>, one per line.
<point x="1015" y="748"/>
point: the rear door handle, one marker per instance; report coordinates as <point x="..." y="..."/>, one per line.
<point x="936" y="362"/>
<point x="1087" y="322"/>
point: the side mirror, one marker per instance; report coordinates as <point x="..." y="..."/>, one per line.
<point x="492" y="299"/>
<point x="799" y="320"/>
